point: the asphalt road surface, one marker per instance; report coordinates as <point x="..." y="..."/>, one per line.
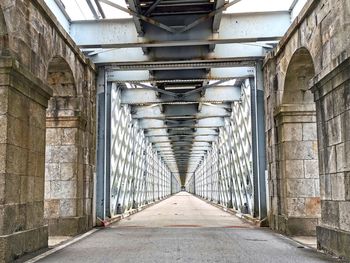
<point x="184" y="228"/>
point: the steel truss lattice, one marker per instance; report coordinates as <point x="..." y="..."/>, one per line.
<point x="225" y="174"/>
<point x="138" y="174"/>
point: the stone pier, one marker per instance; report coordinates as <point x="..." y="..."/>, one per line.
<point x="23" y="101"/>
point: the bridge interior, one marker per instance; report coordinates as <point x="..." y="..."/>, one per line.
<point x="174" y="130"/>
<point x="193" y="96"/>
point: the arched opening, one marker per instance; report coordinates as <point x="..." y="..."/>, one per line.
<point x="297" y="147"/>
<point x="300" y="72"/>
<point x="63" y="172"/>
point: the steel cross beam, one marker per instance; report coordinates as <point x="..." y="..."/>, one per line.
<point x="137" y="76"/>
<point x="216" y="95"/>
<point x="177" y="43"/>
<point x="253" y="27"/>
<point x="180" y="111"/>
<point x="185" y="64"/>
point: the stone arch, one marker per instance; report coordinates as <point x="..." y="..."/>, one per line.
<point x="297" y="150"/>
<point x="60" y="78"/>
<point x="299" y="73"/>
<point x="64" y="153"/>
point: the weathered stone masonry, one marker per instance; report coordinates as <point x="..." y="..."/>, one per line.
<point x="39" y="60"/>
<point x="318" y="40"/>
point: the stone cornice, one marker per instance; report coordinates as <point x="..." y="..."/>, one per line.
<point x="295" y="110"/>
<point x="14" y="75"/>
<point x="66" y="122"/>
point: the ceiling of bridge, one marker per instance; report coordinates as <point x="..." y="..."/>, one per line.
<point x="181" y="124"/>
<point x="181" y="63"/>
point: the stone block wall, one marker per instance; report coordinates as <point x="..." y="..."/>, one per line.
<point x="31" y="36"/>
<point x="322" y="28"/>
<point x="332" y="95"/>
<point x="68" y="209"/>
<point x="65" y="201"/>
<point x="23" y="100"/>
<point x="298" y="170"/>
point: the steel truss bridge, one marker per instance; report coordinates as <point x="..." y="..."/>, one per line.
<point x="180" y="101"/>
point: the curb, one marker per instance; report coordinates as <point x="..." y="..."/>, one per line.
<point x="248" y="218"/>
<point x="109" y="221"/>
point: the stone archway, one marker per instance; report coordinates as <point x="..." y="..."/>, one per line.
<point x="64" y="153"/>
<point x="298" y="174"/>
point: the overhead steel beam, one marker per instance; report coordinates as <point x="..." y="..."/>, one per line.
<point x="189" y="142"/>
<point x="184" y="139"/>
<point x="195" y="42"/>
<point x="252" y="27"/>
<point x="169" y="153"/>
<point x="136" y="55"/>
<point x="226" y="62"/>
<point x="149" y="97"/>
<point x="136" y="76"/>
<point x="202" y="123"/>
<point x="167" y="132"/>
<point x="179" y="111"/>
<point x="162" y="147"/>
<point x="195" y="144"/>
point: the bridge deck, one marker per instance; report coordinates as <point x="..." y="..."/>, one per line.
<point x="184" y="228"/>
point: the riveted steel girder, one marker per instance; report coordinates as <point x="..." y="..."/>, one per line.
<point x="179" y="111"/>
<point x="252" y="28"/>
<point x="148" y="97"/>
<point x="201" y="123"/>
<point x="115" y="75"/>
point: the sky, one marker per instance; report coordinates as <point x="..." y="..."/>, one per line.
<point x="79" y="10"/>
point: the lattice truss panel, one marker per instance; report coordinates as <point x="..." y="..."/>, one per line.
<point x="138" y="174"/>
<point x="225" y="175"/>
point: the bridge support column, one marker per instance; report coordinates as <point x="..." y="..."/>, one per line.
<point x="332" y="96"/>
<point x="23" y="101"/>
<point x="103" y="147"/>
<point x="64" y="189"/>
<point x="297" y="162"/>
<point x="258" y="138"/>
